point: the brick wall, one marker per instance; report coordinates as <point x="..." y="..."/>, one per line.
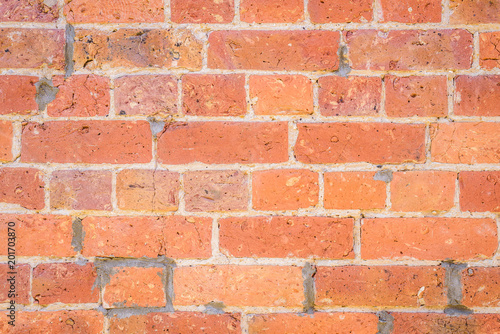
<point x="251" y="166"/>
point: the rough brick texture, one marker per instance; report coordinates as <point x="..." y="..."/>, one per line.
<point x="17" y="94"/>
<point x="22" y="186"/>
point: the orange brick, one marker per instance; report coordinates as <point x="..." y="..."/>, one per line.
<point x="80" y="95"/>
<point x="423" y="190"/>
<point x="416" y="96"/>
<point x="64" y="283"/>
<point x="239" y="285"/>
<point x="216" y="190"/>
<point x="481" y="287"/>
<point x="271" y="11"/>
<point x="177" y="322"/>
<point x="87" y="142"/>
<point x="214" y="94"/>
<point x="423" y="323"/>
<point x="465" y="143"/>
<point x="136" y="48"/>
<point x="457" y="239"/>
<point x="409" y="49"/>
<point x="32" y="48"/>
<point x="202" y="11"/>
<point x="80" y="190"/>
<point x="285" y="189"/>
<point x="22" y="186"/>
<point x="78" y="322"/>
<point x="380" y="286"/>
<point x="29" y="11"/>
<point x="477" y="95"/>
<point x="146" y="95"/>
<point x="332" y="11"/>
<point x="352" y="96"/>
<point x="113" y="11"/>
<point x="354" y="191"/>
<point x="480" y="191"/>
<point x="474" y="11"/>
<point x="39" y="235"/>
<point x="6" y="138"/>
<point x="411" y="11"/>
<point x="224" y="142"/>
<point x="297" y="50"/>
<point x="281" y="237"/>
<point x="377" y="143"/>
<point x="17" y="95"/>
<point x="147" y="190"/>
<point x="170" y="236"/>
<point x="134" y="287"/>
<point x="281" y="94"/>
<point x="21" y="289"/>
<point x="319" y="322"/>
<point x="489" y="54"/>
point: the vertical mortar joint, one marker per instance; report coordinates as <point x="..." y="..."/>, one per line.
<point x="453" y="284"/>
<point x="385" y="323"/>
<point x="78" y="234"/>
<point x="344" y="67"/>
<point x="69" y="50"/>
<point x="308" y="273"/>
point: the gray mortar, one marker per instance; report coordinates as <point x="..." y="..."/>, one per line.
<point x="68" y="51"/>
<point x="45" y="93"/>
<point x="214" y="308"/>
<point x="78" y="235"/>
<point x="383" y="175"/>
<point x="156" y="126"/>
<point x="308" y="273"/>
<point x="385" y="323"/>
<point x="344" y="67"/>
<point x="453" y="283"/>
<point x="122" y="313"/>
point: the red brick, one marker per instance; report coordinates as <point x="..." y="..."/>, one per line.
<point x="439" y="323"/>
<point x="64" y="283"/>
<point x="22" y="186"/>
<point x="134" y="287"/>
<point x="39" y="235"/>
<point x="319" y="322"/>
<point x="202" y="11"/>
<point x="354" y="191"/>
<point x="489" y="50"/>
<point x="39" y="322"/>
<point x="170" y="236"/>
<point x="224" y="142"/>
<point x="239" y="285"/>
<point x="147" y="190"/>
<point x="428" y="238"/>
<point x="423" y="190"/>
<point x="411" y="11"/>
<point x="146" y="95"/>
<point x="332" y="11"/>
<point x="281" y="237"/>
<point x="377" y="143"/>
<point x="17" y="95"/>
<point x="6" y="138"/>
<point x="29" y="11"/>
<point x="465" y="143"/>
<point x="352" y="96"/>
<point x="214" y="94"/>
<point x="136" y="48"/>
<point x="481" y="287"/>
<point x="380" y="286"/>
<point x="477" y="95"/>
<point x="275" y="11"/>
<point x="111" y="11"/>
<point x="22" y="282"/>
<point x="291" y="50"/>
<point x="285" y="189"/>
<point x="281" y="94"/>
<point x="416" y="96"/>
<point x="474" y="11"/>
<point x="80" y="95"/>
<point x="216" y="190"/>
<point x="80" y="190"/>
<point x="178" y="322"/>
<point x="87" y="142"/>
<point x="32" y="48"/>
<point x="409" y="49"/>
<point x="480" y="191"/>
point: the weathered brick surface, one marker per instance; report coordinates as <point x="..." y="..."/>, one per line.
<point x="277" y="11"/>
<point x="411" y="11"/>
<point x="17" y="94"/>
<point x="458" y="239"/>
<point x="22" y="186"/>
<point x="477" y="95"/>
<point x="331" y="11"/>
<point x="480" y="191"/>
<point x="420" y="323"/>
<point x="202" y="11"/>
<point x="21" y="282"/>
<point x="6" y="136"/>
<point x="489" y="54"/>
<point x="475" y="11"/>
<point x="76" y="321"/>
<point x="106" y="11"/>
<point x="29" y="11"/>
<point x="481" y="287"/>
<point x="281" y="237"/>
